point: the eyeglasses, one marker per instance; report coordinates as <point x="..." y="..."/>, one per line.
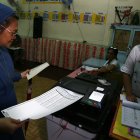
<point x="13" y="34"/>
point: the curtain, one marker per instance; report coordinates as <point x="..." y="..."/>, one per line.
<point x="61" y="53"/>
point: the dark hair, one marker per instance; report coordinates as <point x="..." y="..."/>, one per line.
<point x="8" y="21"/>
<point x="115" y="50"/>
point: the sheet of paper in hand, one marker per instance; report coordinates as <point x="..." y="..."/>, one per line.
<point x="33" y="72"/>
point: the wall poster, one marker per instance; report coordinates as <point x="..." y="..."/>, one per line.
<point x="42" y="1"/>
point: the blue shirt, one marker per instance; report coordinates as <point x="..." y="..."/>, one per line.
<point x="7" y="93"/>
<point x="7" y="77"/>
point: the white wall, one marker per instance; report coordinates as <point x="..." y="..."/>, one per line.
<point x="92" y="33"/>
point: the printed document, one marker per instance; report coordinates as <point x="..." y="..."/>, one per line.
<point x="131" y="114"/>
<point x="53" y="100"/>
<point x="33" y="72"/>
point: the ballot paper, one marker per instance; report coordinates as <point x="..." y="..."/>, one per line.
<point x="51" y="101"/>
<point x="88" y="68"/>
<point x="104" y="82"/>
<point x="33" y="72"/>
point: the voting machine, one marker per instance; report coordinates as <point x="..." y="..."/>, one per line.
<point x="88" y="113"/>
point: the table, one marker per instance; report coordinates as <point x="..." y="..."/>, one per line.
<point x="76" y="72"/>
<point x="119" y="131"/>
<point x="79" y="71"/>
<point x="94" y="62"/>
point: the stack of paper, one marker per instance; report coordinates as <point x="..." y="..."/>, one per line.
<point x="131" y="114"/>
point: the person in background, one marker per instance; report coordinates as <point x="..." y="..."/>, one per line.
<point x="8" y="75"/>
<point x="111" y="64"/>
<point x="131" y="74"/>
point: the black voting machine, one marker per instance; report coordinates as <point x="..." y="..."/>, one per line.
<point x="89" y="116"/>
